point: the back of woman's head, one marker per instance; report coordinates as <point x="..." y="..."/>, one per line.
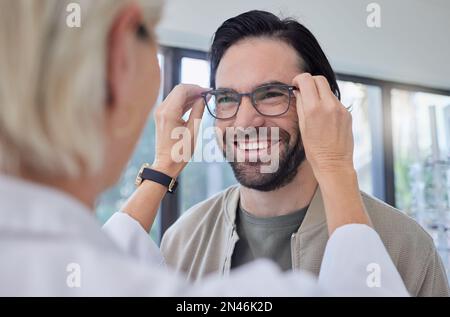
<point x="53" y="83"/>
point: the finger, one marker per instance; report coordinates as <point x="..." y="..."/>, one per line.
<point x="194" y="121"/>
<point x="308" y="90"/>
<point x="189" y="107"/>
<point x="323" y="88"/>
<point x="300" y="110"/>
<point x="182" y="97"/>
<point x="198" y="108"/>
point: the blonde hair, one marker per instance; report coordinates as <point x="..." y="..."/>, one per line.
<point x="53" y="83"/>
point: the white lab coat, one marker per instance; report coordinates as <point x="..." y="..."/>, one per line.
<point x="51" y="245"/>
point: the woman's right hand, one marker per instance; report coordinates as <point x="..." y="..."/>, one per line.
<point x="170" y="126"/>
<point x="143" y="204"/>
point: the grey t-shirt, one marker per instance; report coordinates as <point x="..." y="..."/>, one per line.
<point x="268" y="238"/>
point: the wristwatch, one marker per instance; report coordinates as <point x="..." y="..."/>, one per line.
<point x="147" y="173"/>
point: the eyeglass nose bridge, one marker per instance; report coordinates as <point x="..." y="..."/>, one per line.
<point x="250" y="95"/>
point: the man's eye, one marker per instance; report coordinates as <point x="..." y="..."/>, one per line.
<point x="225" y="99"/>
<point x="271" y="94"/>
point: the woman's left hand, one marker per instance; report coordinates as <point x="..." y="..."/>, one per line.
<point x="326" y="130"/>
<point x="325" y="125"/>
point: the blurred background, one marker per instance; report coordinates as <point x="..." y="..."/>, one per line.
<point x="396" y="77"/>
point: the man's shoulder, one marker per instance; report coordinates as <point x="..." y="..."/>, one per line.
<point x="411" y="249"/>
<point x="203" y="215"/>
<point x="387" y="218"/>
<point x="394" y="225"/>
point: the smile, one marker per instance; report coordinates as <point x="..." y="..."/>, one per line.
<point x="253" y="149"/>
<point x="250" y="146"/>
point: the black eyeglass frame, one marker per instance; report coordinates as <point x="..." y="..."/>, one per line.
<point x="251" y="95"/>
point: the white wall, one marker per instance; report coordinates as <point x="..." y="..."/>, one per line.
<point x="412" y="45"/>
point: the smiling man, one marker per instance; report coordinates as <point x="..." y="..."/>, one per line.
<point x="256" y="59"/>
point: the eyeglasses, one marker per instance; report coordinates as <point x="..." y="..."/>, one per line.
<point x="269" y="100"/>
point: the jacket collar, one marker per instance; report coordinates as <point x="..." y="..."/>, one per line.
<point x="30" y="209"/>
<point x="315" y="216"/>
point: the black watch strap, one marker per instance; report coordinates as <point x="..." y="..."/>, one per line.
<point x="160" y="178"/>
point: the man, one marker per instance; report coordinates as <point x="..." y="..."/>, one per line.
<point x="280" y="215"/>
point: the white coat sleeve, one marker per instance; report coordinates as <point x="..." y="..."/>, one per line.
<point x="132" y="239"/>
<point x="356" y="263"/>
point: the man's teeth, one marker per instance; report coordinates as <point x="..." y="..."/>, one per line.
<point x="253" y="145"/>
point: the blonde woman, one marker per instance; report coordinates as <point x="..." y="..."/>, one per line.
<point x="73" y="102"/>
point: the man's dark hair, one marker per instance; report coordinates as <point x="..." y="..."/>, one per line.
<point x="265" y="24"/>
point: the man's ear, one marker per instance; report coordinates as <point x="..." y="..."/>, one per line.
<point x="121" y="65"/>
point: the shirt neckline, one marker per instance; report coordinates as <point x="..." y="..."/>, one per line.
<point x="292" y="219"/>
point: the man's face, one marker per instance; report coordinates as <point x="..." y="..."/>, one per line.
<point x="245" y="66"/>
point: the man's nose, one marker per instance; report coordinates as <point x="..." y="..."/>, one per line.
<point x="247" y="115"/>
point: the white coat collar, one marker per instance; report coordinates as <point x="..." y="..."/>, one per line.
<point x="30" y="209"/>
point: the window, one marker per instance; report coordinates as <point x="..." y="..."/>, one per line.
<point x="421" y="138"/>
<point x="363" y="100"/>
<point x="112" y="200"/>
<point x="421" y="130"/>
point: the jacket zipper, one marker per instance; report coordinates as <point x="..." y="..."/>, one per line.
<point x="229" y="253"/>
<point x="292" y="250"/>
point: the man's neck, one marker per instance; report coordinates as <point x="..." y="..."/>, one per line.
<point x="288" y="199"/>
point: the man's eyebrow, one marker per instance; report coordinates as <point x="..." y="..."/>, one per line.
<point x="272" y="82"/>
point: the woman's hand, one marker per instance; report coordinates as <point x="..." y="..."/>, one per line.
<point x="170" y="126"/>
<point x="326" y="131"/>
<point x="143" y="204"/>
<point x="325" y="125"/>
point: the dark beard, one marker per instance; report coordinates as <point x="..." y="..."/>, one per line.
<point x="248" y="173"/>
